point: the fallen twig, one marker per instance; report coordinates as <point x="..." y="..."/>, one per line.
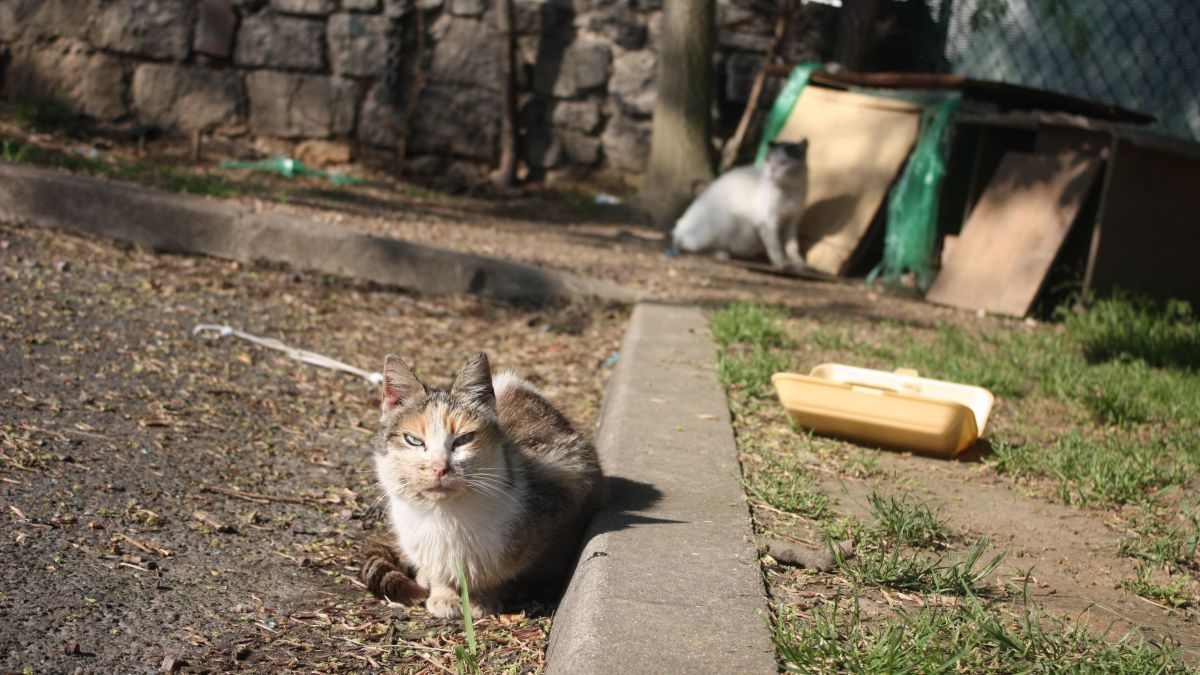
<point x="260" y="497"/>
<point x="822" y="560"/>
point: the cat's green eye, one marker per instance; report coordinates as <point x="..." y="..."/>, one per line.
<point x="464" y="439"/>
<point x="413" y="440"/>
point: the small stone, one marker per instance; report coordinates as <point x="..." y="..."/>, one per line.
<point x="320" y="154"/>
<point x="171" y="663"/>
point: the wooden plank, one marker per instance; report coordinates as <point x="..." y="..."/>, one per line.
<point x="856" y="147"/>
<point x="1015" y="231"/>
<point x="1146" y="233"/>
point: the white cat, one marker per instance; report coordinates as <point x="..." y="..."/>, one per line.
<point x="748" y="211"/>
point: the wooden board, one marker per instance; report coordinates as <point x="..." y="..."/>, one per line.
<point x="1015" y="231"/>
<point x="1147" y="237"/>
<point x="856" y="147"/>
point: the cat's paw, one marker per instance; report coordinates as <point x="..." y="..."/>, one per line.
<point x="447" y="604"/>
<point x="794" y="266"/>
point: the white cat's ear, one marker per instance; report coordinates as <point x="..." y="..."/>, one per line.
<point x="474" y="381"/>
<point x="399" y="383"/>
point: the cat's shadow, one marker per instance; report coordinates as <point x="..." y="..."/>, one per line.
<point x="627" y="501"/>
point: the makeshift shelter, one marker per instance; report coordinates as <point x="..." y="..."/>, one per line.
<point x="1036" y="182"/>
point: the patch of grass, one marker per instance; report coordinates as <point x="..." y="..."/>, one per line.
<point x="970" y="637"/>
<point x="909" y="522"/>
<point x="177" y="179"/>
<point x="790" y="493"/>
<point x="751" y="324"/>
<point x="43" y="115"/>
<point x="1128" y="328"/>
<point x="1173" y="594"/>
<point x="13" y="152"/>
<point x="1101" y="470"/>
<point x="754" y="346"/>
<point x="751" y="369"/>
<point x="1158" y="544"/>
<point x="920" y="573"/>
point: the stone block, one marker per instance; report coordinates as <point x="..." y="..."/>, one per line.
<point x="185" y="97"/>
<point x="68" y="71"/>
<point x="45" y="19"/>
<point x="274" y="41"/>
<point x="458" y="121"/>
<point x="581" y="116"/>
<point x="619" y="25"/>
<point x="379" y="119"/>
<point x="541" y="149"/>
<point x="468" y="7"/>
<point x="573" y="69"/>
<point x="398" y="8"/>
<point x="306" y="7"/>
<point x="156" y="29"/>
<point x="580" y="148"/>
<point x="627" y="143"/>
<point x="539" y="17"/>
<point x="294" y="105"/>
<point x="358" y="44"/>
<point x="467" y="53"/>
<point x="216" y="27"/>
<point x="360" y="5"/>
<point x="632" y="83"/>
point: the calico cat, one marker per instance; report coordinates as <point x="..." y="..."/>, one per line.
<point x="489" y="472"/>
<point x="749" y="211"/>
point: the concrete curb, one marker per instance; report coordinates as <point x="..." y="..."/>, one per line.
<point x="189" y="224"/>
<point x="669" y="580"/>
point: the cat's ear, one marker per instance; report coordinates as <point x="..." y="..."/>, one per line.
<point x="799" y="150"/>
<point x="474" y="381"/>
<point x="399" y="383"/>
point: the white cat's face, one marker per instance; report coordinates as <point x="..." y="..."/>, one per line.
<point x="786" y="161"/>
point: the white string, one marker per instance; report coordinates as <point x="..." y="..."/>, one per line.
<point x="214" y="332"/>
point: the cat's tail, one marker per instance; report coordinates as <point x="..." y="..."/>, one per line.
<point x="387" y="574"/>
<point x="509" y="379"/>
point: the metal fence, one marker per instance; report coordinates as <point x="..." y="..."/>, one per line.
<point x="1138" y="54"/>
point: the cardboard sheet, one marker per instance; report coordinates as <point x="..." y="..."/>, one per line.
<point x="857" y="145"/>
<point x="1015" y="232"/>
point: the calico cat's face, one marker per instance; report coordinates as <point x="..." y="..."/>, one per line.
<point x="785" y="160"/>
<point x="437" y="445"/>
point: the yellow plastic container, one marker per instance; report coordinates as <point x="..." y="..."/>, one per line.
<point x="895" y="410"/>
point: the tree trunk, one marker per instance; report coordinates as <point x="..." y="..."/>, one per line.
<point x="503" y="178"/>
<point x="680" y="144"/>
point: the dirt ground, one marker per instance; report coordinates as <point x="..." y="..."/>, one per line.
<point x="196" y="506"/>
<point x="174" y="501"/>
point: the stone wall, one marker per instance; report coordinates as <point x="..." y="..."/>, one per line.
<point x="341" y="72"/>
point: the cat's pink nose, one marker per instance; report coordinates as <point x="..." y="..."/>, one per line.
<point x="440" y="470"/>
